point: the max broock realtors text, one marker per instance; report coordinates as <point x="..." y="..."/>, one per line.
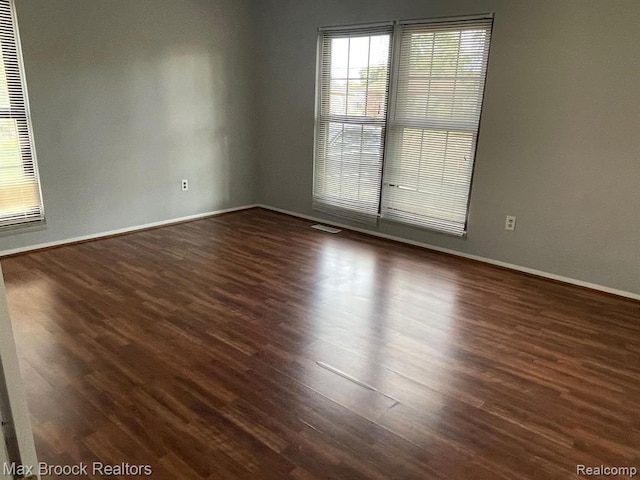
<point x="77" y="470"/>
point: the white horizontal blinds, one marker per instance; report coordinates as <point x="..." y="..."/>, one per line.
<point x="433" y="127"/>
<point x="20" y="200"/>
<point x="350" y="124"/>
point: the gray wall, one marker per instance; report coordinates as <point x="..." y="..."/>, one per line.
<point x="127" y="98"/>
<point x="560" y="136"/>
<point x="130" y="96"/>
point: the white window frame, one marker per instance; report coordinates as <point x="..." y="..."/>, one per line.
<point x="459" y="227"/>
<point x="364" y="212"/>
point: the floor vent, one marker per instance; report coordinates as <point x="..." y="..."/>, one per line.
<point x="324" y="228"/>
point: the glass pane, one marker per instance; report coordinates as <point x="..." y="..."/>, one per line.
<point x="359" y="74"/>
<point x="339" y="58"/>
<point x="358" y="57"/>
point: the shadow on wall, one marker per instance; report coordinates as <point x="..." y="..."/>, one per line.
<point x="135" y="129"/>
<point x="180" y="109"/>
<point x="195" y="105"/>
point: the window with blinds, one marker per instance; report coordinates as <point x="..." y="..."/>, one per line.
<point x="429" y="135"/>
<point x="433" y="126"/>
<point x="351" y="118"/>
<point x="20" y="198"/>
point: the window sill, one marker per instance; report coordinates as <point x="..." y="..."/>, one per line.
<point x="23" y="228"/>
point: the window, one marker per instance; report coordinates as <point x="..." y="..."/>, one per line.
<point x="351" y="123"/>
<point x="397" y="139"/>
<point x="20" y="199"/>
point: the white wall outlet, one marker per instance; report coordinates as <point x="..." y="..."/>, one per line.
<point x="510" y="223"/>
<point x="185" y="184"/>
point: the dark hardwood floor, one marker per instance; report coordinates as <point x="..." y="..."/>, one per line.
<point x="251" y="346"/>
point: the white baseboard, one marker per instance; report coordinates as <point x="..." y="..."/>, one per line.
<point x="511" y="266"/>
<point x="95" y="236"/>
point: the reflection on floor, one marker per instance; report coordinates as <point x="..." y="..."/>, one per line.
<point x="252" y="346"/>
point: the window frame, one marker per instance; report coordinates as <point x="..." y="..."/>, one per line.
<point x="353" y="31"/>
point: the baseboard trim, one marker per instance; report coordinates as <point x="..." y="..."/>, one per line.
<point x="121" y="231"/>
<point x="490" y="261"/>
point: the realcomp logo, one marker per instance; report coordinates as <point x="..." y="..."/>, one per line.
<point x="605" y="470"/>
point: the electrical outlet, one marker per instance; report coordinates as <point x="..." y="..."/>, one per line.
<point x="185" y="184"/>
<point x="510" y="223"/>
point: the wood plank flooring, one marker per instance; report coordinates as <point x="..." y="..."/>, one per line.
<point x="252" y="346"/>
